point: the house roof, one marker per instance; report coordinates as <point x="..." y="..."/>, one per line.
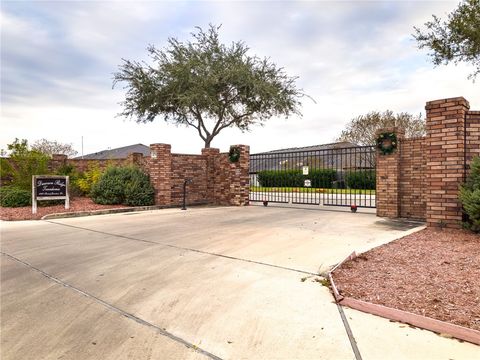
<point x="118" y="153"/>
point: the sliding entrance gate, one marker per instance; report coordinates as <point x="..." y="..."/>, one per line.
<point x="328" y="176"/>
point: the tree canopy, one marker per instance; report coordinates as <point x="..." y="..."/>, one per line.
<point x="49" y="147"/>
<point x="457" y="39"/>
<point x="362" y="130"/>
<point x="207" y="85"/>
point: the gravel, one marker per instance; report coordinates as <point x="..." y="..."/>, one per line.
<point x="434" y="273"/>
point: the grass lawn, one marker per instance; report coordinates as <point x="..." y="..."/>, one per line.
<point x="311" y="190"/>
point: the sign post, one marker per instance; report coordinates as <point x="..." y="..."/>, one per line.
<point x="50" y="187"/>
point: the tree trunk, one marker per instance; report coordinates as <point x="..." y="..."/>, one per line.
<point x="207" y="142"/>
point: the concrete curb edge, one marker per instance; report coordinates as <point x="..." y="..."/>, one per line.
<point x="111" y="211"/>
<point x="423" y="322"/>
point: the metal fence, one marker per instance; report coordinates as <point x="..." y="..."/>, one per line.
<point x="330" y="177"/>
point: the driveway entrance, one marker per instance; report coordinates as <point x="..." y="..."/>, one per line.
<point x="341" y="174"/>
<point x="226" y="283"/>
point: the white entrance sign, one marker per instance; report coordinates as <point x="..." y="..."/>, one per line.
<point x="50" y="187"/>
<point x="305" y="170"/>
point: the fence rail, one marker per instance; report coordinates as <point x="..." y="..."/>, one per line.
<point x="330" y="177"/>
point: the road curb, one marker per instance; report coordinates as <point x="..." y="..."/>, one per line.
<point x="109" y="211"/>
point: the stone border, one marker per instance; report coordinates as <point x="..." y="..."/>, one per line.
<point x="423" y="322"/>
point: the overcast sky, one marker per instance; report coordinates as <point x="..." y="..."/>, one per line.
<point x="57" y="60"/>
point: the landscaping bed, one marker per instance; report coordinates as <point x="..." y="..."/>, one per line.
<point x="433" y="273"/>
<point x="76" y="204"/>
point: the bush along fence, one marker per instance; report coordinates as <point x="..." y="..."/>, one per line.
<point x="320" y="178"/>
<point x="213" y="177"/>
<point x="420" y="179"/>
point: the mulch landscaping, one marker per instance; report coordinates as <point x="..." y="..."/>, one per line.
<point x="434" y="273"/>
<point x="76" y="204"/>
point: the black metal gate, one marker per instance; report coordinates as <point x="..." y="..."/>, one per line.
<point x="329" y="176"/>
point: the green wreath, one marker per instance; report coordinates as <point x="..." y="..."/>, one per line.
<point x="234" y="154"/>
<point x="387" y="143"/>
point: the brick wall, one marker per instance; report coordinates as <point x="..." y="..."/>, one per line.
<point x="214" y="179"/>
<point x="82" y="165"/>
<point x="413" y="161"/>
<point x="194" y="168"/>
<point x="428" y="171"/>
<point x="473" y="134"/>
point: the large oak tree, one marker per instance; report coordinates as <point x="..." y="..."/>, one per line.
<point x="207" y="85"/>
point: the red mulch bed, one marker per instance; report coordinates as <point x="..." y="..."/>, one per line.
<point x="76" y="204"/>
<point x="434" y="273"/>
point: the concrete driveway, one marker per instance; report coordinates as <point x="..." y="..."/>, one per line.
<point x="228" y="283"/>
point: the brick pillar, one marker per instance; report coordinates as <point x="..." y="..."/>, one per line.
<point x="445" y="146"/>
<point x="137" y="160"/>
<point x="211" y="156"/>
<point x="56" y="162"/>
<point x="388" y="178"/>
<point x="160" y="169"/>
<point x="239" y="178"/>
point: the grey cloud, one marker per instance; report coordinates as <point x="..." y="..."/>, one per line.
<point x="64" y="53"/>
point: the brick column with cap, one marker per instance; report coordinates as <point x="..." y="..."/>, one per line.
<point x="239" y="177"/>
<point x="445" y="146"/>
<point x="160" y="169"/>
<point x="211" y="155"/>
<point x="388" y="178"/>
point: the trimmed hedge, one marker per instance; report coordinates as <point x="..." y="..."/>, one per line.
<point x="11" y="196"/>
<point x="359" y="179"/>
<point x="321" y="178"/>
<point x="123" y="185"/>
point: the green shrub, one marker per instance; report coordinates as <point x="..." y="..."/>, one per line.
<point x="11" y="196"/>
<point x="470" y="196"/>
<point x="280" y="178"/>
<point x="22" y="165"/>
<point x="73" y="175"/>
<point x="66" y="170"/>
<point x="123" y="185"/>
<point x="88" y="179"/>
<point x="361" y="179"/>
<point x="320" y="178"/>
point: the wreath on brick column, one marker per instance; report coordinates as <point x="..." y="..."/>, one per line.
<point x="387" y="143"/>
<point x="234" y="154"/>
